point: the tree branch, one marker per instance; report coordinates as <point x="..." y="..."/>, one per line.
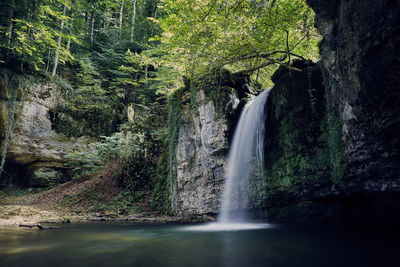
<point x="266" y="55"/>
<point x="287" y="46"/>
<point x="266" y="64"/>
<point x="209" y="11"/>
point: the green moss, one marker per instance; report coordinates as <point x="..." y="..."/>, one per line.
<point x="335" y="145"/>
<point x="294" y="159"/>
<point x="305" y="151"/>
<point x="181" y="104"/>
<point x="215" y="84"/>
<point x="45" y="175"/>
<point x="332" y="133"/>
<point x="160" y="195"/>
<point x="75" y="123"/>
<point x="303" y="159"/>
<point x="174" y="123"/>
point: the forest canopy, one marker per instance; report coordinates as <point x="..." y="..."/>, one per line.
<point x="242" y="36"/>
<point x="120" y="40"/>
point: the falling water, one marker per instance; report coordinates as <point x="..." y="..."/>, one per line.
<point x="245" y="159"/>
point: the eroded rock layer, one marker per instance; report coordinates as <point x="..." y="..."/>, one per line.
<point x="36" y="154"/>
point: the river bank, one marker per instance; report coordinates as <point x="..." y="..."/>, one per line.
<point x="15" y="215"/>
<point x="82" y="200"/>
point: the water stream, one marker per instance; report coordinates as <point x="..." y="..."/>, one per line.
<point x="245" y="159"/>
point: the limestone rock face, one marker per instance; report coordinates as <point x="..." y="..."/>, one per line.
<point x="34" y="145"/>
<point x="201" y="154"/>
<point x="333" y="154"/>
<point x="361" y="58"/>
<point x="34" y="140"/>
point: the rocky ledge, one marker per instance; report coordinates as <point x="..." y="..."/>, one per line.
<point x="36" y="153"/>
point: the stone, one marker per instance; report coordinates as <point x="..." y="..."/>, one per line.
<point x="34" y="145"/>
<point x="362" y="61"/>
<point x="201" y="152"/>
<point x="360" y="180"/>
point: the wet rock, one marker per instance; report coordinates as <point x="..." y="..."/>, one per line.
<point x="360" y="62"/>
<point x="359" y="53"/>
<point x="202" y="148"/>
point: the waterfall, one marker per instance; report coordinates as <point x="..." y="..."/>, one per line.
<point x="245" y="160"/>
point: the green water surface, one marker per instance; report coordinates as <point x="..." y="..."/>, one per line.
<point x="123" y="244"/>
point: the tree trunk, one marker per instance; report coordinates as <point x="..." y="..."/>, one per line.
<point x="133" y="19"/>
<point x="48" y="61"/>
<point x="287" y="48"/>
<point x="146" y="73"/>
<point x="92" y="29"/>
<point x="10" y="24"/>
<point x="121" y="14"/>
<point x="143" y="8"/>
<point x="56" y="56"/>
<point x="155" y="16"/>
<point x="69" y="39"/>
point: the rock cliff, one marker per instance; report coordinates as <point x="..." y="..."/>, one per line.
<point x="361" y="57"/>
<point x="209" y="111"/>
<point x="340" y="162"/>
<point x="36" y="154"/>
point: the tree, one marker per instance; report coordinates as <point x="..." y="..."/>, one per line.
<point x="133" y="19"/>
<point x="121" y="12"/>
<point x="10" y="22"/>
<point x="243" y="36"/>
<point x="59" y="42"/>
<point x="30" y="33"/>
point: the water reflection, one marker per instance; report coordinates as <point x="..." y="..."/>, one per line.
<point x="177" y="245"/>
<point x="220" y="227"/>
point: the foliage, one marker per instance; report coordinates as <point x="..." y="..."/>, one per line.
<point x="160" y="196"/>
<point x="240" y="35"/>
<point x="93" y="200"/>
<point x="87" y="163"/>
<point x="138" y="166"/>
<point x="174" y="123"/>
<point x="33" y="33"/>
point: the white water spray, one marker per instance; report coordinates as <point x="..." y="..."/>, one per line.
<point x="245" y="159"/>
